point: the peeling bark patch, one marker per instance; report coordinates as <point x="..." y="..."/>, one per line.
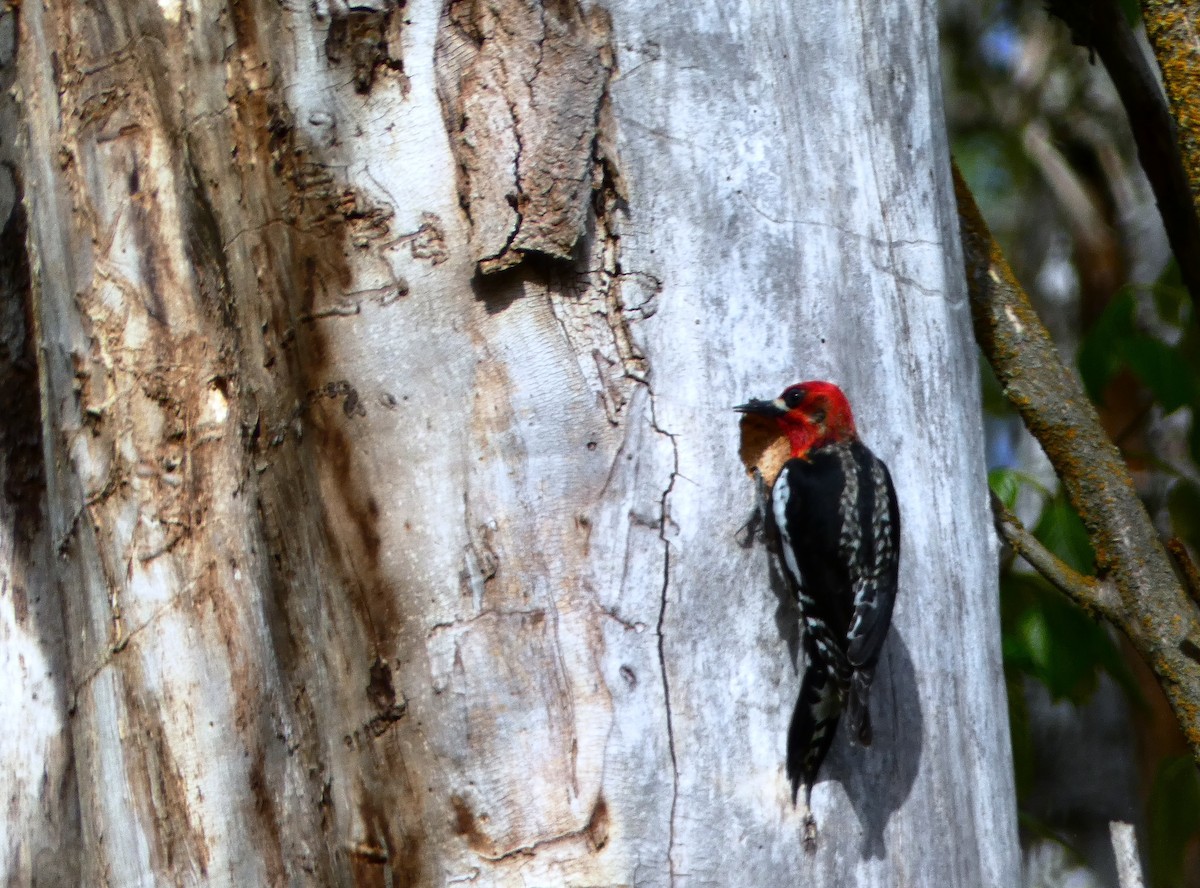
<point x="325" y="213"/>
<point x="368" y="39"/>
<point x="427" y="242"/>
<point x="522" y="87"/>
<point x="591" y="308"/>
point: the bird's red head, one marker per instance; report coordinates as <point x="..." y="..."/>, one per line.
<point x="811" y="415"/>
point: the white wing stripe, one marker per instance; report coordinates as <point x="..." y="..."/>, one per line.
<point x="779" y="501"/>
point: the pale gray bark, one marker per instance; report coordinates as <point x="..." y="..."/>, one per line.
<point x="1129" y="865"/>
<point x="395" y="549"/>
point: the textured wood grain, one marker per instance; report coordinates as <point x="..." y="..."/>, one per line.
<point x="383" y="572"/>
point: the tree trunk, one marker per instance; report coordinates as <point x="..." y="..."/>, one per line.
<point x="376" y="502"/>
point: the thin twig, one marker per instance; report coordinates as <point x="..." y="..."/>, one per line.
<point x="1088" y="592"/>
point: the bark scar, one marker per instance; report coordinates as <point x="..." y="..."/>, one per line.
<point x="522" y="88"/>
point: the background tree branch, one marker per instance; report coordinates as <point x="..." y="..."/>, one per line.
<point x="1102" y="27"/>
<point x="1151" y="607"/>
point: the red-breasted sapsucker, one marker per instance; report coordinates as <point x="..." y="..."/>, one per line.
<point x="837" y="526"/>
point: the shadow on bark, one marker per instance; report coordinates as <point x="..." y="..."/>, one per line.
<point x="878" y="779"/>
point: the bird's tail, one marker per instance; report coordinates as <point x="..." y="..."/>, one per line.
<point x="814" y="721"/>
<point x="858" y="712"/>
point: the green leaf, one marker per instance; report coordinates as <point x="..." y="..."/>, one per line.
<point x="1006" y="484"/>
<point x="1051" y="639"/>
<point x="1172" y="303"/>
<point x="1061" y="531"/>
<point x="1174" y="820"/>
<point x="1163" y="370"/>
<point x="1170" y="372"/>
<point x="1101" y="353"/>
<point x="1133" y="12"/>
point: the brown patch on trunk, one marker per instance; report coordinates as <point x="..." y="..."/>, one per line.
<point x="320" y="516"/>
<point x="382" y="695"/>
<point x="368" y="866"/>
<point x="267" y="812"/>
<point x="368" y="39"/>
<point x="323" y="218"/>
<point x="522" y="85"/>
<point x="176" y="844"/>
<point x="597" y="826"/>
<point x="466" y="826"/>
<point x="372" y="857"/>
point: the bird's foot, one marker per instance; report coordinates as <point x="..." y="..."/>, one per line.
<point x="755" y="527"/>
<point x="808" y="831"/>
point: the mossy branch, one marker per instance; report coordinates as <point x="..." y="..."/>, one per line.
<point x="1173" y="27"/>
<point x="1150" y="604"/>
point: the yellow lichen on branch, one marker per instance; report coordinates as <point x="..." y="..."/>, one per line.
<point x="1173" y="27"/>
<point x="1137" y="589"/>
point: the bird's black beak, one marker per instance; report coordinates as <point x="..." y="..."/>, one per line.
<point x="761" y="408"/>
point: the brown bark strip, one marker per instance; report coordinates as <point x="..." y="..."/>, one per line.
<point x="1152" y="608"/>
<point x="522" y="85"/>
<point x="1173" y="27"/>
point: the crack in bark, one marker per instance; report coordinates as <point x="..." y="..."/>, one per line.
<point x="474" y="618"/>
<point x="587" y="831"/>
<point x="662" y="616"/>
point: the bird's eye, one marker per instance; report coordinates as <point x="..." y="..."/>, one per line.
<point x="793" y="398"/>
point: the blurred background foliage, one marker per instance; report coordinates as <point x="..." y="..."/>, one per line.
<point x="1044" y="143"/>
